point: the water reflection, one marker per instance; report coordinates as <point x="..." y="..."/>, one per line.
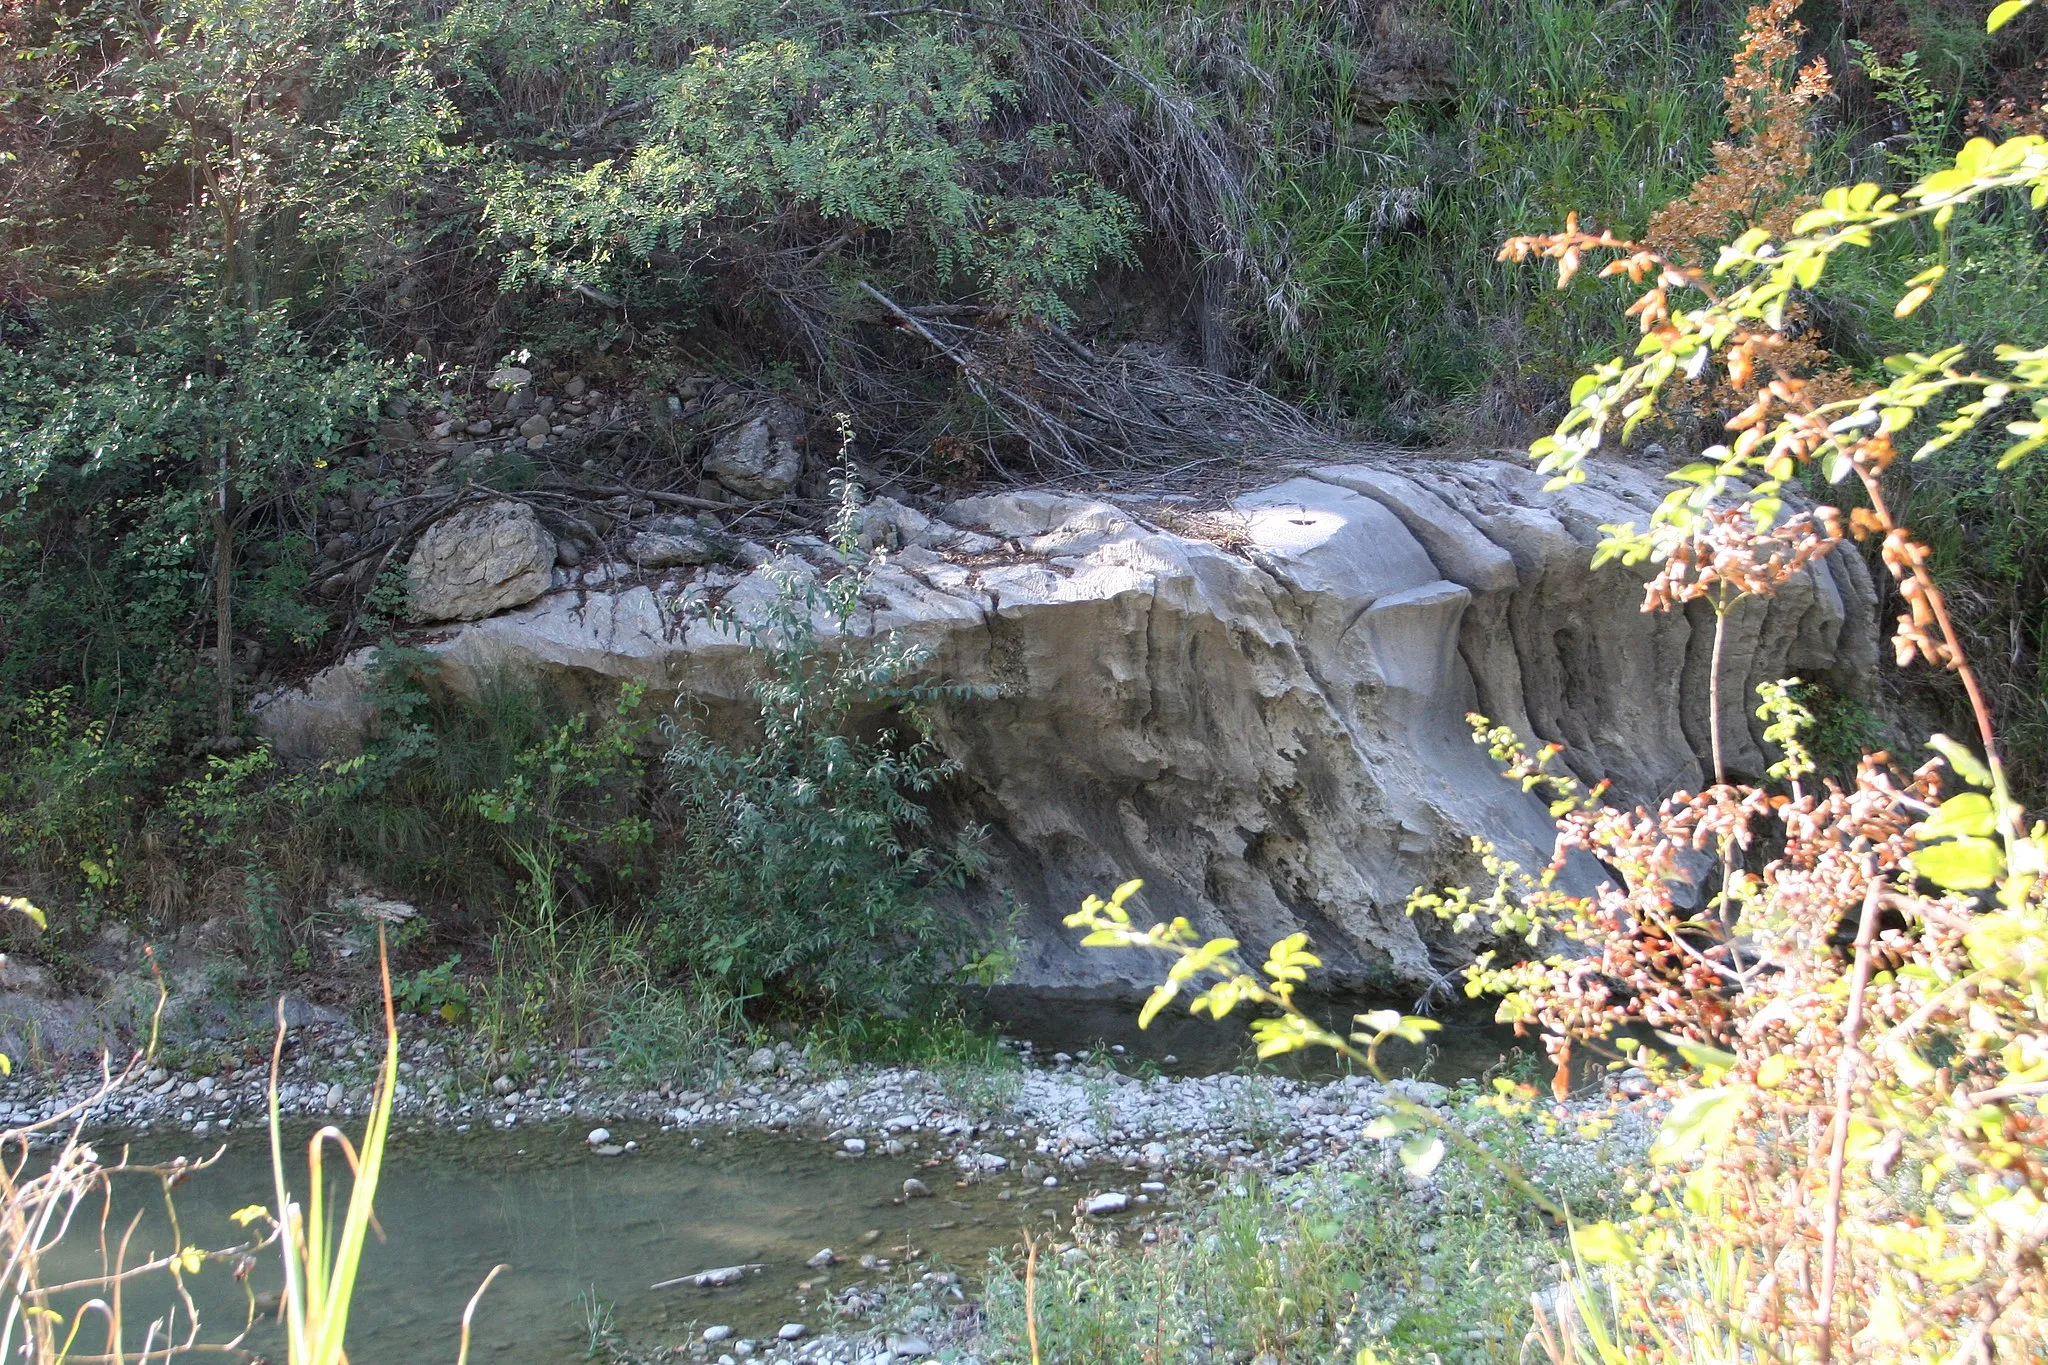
<point x="1469" y="1044"/>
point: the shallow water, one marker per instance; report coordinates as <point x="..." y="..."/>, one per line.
<point x="569" y="1223"/>
<point x="1468" y="1045"/>
<point x="578" y="1230"/>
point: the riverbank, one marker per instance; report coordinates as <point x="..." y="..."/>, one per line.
<point x="1063" y="1111"/>
<point x="1117" y="1169"/>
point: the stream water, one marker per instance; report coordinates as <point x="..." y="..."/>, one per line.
<point x="584" y="1235"/>
<point x="574" y="1229"/>
<point x="1467" y="1043"/>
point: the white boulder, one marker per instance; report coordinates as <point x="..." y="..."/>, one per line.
<point x="761" y="457"/>
<point x="479" y="561"/>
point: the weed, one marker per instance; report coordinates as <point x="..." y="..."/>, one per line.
<point x="433" y="990"/>
<point x="600" y="1324"/>
<point x="940" y="1038"/>
<point x="661" y="1035"/>
<point x="263" y="905"/>
<point x="1319" y="1267"/>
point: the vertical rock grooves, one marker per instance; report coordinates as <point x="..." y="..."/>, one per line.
<point x="1264" y="719"/>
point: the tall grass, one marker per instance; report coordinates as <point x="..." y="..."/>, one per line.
<point x="320" y="1257"/>
<point x="320" y="1245"/>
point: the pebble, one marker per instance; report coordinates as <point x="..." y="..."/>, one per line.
<point x="717" y="1333"/>
<point x="1115" y="1201"/>
<point x="854" y="1146"/>
<point x="599" y="1137"/>
<point x="914" y="1188"/>
<point x="790" y="1331"/>
<point x="823" y="1258"/>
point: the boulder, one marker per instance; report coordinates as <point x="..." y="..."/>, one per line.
<point x="479" y="561"/>
<point x="761" y="457"/>
<point x="1266" y="719"/>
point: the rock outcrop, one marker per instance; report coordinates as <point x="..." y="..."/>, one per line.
<point x="1258" y="708"/>
<point x="478" y="561"/>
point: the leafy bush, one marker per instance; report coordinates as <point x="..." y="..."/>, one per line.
<point x="435" y="990"/>
<point x="795" y="122"/>
<point x="492" y="798"/>
<point x="808" y="862"/>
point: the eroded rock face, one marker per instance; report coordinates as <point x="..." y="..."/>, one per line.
<point x="478" y="561"/>
<point x="1264" y="718"/>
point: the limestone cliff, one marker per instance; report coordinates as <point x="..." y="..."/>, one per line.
<point x="1258" y="709"/>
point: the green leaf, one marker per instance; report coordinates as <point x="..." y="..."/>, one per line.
<point x="1700" y="1054"/>
<point x="1415" y="1029"/>
<point x="1380" y="1021"/>
<point x="1966" y="764"/>
<point x="1603" y="1244"/>
<point x="1162" y="994"/>
<point x="1392" y="1125"/>
<point x="1701" y="1121"/>
<point x="1961" y="864"/>
<point x="1913" y="1069"/>
<point x="1421" y="1154"/>
<point x="1967" y="815"/>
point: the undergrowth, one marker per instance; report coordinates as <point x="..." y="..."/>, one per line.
<point x="1348" y="1266"/>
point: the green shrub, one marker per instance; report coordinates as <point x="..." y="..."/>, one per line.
<point x="808" y="862"/>
<point x="469" y="798"/>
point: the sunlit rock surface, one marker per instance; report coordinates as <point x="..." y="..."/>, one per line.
<point x="1260" y="711"/>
